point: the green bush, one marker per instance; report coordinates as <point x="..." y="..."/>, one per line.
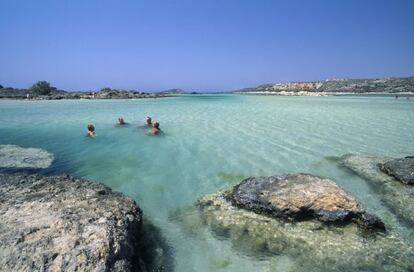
<point x="42" y="88"/>
<point x="106" y="89"/>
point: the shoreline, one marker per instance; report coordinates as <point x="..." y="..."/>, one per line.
<point x="262" y="93"/>
<point x="319" y="94"/>
<point x="50" y="98"/>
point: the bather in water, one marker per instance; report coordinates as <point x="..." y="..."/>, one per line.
<point x="148" y="122"/>
<point x="91" y="131"/>
<point x="121" y="122"/>
<point x="155" y="129"/>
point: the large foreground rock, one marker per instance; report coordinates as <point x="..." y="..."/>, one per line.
<point x="301" y="197"/>
<point x="16" y="157"/>
<point x="66" y="224"/>
<point x="401" y="169"/>
<point x="312" y="244"/>
<point x="399" y="197"/>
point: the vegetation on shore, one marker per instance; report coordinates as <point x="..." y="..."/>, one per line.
<point x="43" y="90"/>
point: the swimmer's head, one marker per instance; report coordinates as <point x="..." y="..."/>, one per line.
<point x="91" y="127"/>
<point x="157" y="125"/>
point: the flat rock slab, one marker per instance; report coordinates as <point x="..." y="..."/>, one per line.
<point x="401" y="169"/>
<point x="298" y="196"/>
<point x="62" y="223"/>
<point x="16" y="157"/>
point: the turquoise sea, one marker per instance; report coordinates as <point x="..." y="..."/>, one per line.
<point x="211" y="142"/>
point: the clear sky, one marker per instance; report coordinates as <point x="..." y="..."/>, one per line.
<point x="202" y="45"/>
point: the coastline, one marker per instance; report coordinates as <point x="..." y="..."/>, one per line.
<point x="306" y="93"/>
<point x="84" y="97"/>
<point x="261" y="93"/>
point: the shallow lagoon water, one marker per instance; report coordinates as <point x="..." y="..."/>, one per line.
<point x="210" y="143"/>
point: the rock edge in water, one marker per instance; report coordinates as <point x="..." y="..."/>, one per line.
<point x="302" y="197"/>
<point x="395" y="194"/>
<point x="16" y="157"/>
<point x="312" y="244"/>
<point x="62" y="223"/>
<point x="401" y="169"/>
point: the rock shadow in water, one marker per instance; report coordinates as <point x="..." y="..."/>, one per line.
<point x="154" y="250"/>
<point x="189" y="220"/>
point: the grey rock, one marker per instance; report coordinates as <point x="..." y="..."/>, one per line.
<point x="13" y="156"/>
<point x="301" y="197"/>
<point x="401" y="169"/>
<point x="399" y="197"/>
<point x="371" y="221"/>
<point x="62" y="223"/>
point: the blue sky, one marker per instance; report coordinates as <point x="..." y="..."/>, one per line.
<point x="202" y="45"/>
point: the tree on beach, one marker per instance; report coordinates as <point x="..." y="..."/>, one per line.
<point x="42" y="88"/>
<point x="1" y="86"/>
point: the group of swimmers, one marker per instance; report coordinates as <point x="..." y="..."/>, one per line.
<point x="154" y="127"/>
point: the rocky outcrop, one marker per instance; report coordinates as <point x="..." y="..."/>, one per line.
<point x="106" y="93"/>
<point x="62" y="223"/>
<point x="399" y="197"/>
<point x="310" y="243"/>
<point x="16" y="157"/>
<point x="401" y="169"/>
<point x="300" y="197"/>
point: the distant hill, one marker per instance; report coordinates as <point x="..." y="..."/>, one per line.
<point x="385" y="85"/>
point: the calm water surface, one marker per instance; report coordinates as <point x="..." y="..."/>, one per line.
<point x="210" y="143"/>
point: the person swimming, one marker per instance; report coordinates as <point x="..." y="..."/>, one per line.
<point x="148" y="122"/>
<point x="155" y="128"/>
<point x="121" y="121"/>
<point x="91" y="130"/>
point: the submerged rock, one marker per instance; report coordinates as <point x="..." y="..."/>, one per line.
<point x="401" y="169"/>
<point x="62" y="223"/>
<point x="300" y="197"/>
<point x="396" y="195"/>
<point x="310" y="243"/>
<point x="16" y="157"/>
